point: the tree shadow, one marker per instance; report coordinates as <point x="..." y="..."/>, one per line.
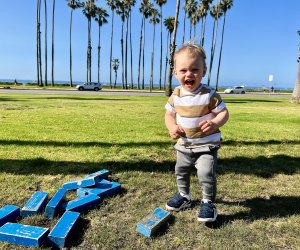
<point x="260" y="208"/>
<point x="247" y="100"/>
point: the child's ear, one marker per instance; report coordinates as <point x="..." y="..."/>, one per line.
<point x="175" y="73"/>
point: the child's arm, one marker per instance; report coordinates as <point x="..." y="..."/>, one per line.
<point x="175" y="130"/>
<point x="210" y="126"/>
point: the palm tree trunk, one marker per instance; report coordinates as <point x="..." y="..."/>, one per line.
<point x="214" y="39"/>
<point x="71" y="18"/>
<point x="131" y="70"/>
<point x="140" y="51"/>
<point x="90" y="51"/>
<point x="126" y="50"/>
<point x="143" y="80"/>
<point x="152" y="59"/>
<point x="46" y="51"/>
<point x="203" y="32"/>
<point x="122" y="52"/>
<point x="160" y="71"/>
<point x="172" y="52"/>
<point x="184" y="26"/>
<point x="166" y="66"/>
<point x="40" y="45"/>
<point x="221" y="49"/>
<point x="296" y="91"/>
<point x="99" y="48"/>
<point x="111" y="46"/>
<point x="52" y="59"/>
<point x="37" y="43"/>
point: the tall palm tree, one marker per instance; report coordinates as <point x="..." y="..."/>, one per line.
<point x="100" y="18"/>
<point x="73" y="4"/>
<point x="115" y="65"/>
<point x="296" y="92"/>
<point x="216" y="13"/>
<point x="168" y="91"/>
<point x="89" y="10"/>
<point x="155" y="18"/>
<point x="145" y="9"/>
<point x="191" y="9"/>
<point x="37" y="41"/>
<point x="121" y="10"/>
<point x="169" y="24"/>
<point x="52" y="50"/>
<point x="203" y="9"/>
<point x="160" y="4"/>
<point x="184" y="19"/>
<point x="39" y="49"/>
<point x="112" y="6"/>
<point x="225" y="6"/>
<point x="46" y="51"/>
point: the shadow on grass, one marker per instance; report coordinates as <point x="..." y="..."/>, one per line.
<point x="264" y="167"/>
<point x="77" y="236"/>
<point x="241" y="100"/>
<point x="260" y="208"/>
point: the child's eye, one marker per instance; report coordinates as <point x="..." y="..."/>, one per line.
<point x="182" y="70"/>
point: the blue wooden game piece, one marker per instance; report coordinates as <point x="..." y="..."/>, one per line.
<point x="35" y="204"/>
<point x="53" y="205"/>
<point x="82" y="204"/>
<point x="148" y="225"/>
<point x="86" y="182"/>
<point x="23" y="235"/>
<point x="9" y="213"/>
<point x="59" y="235"/>
<point x="102" y="174"/>
<point x="104" y="188"/>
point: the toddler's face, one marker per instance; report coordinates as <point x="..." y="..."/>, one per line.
<point x="189" y="70"/>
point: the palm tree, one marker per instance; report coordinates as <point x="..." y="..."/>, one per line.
<point x="73" y="4"/>
<point x="168" y="91"/>
<point x="169" y="24"/>
<point x="37" y="41"/>
<point x="191" y="9"/>
<point x="46" y="51"/>
<point x="115" y="65"/>
<point x="160" y="4"/>
<point x="89" y="10"/>
<point x="155" y="18"/>
<point x="121" y="10"/>
<point x="184" y="19"/>
<point x="225" y="5"/>
<point x="216" y="14"/>
<point x="52" y="71"/>
<point x="296" y="91"/>
<point x="203" y="8"/>
<point x="112" y="6"/>
<point x="100" y="18"/>
<point x="39" y="50"/>
<point x="145" y="9"/>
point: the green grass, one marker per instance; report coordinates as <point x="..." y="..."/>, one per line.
<point x="47" y="140"/>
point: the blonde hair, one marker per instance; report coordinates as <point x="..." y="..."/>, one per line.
<point x="192" y="48"/>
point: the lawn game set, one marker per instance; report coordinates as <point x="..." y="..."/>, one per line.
<point x="90" y="192"/>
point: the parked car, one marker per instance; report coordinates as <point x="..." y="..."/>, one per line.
<point x="89" y="86"/>
<point x="235" y="90"/>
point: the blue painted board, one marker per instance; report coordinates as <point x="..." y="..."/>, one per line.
<point x="82" y="204"/>
<point x="86" y="182"/>
<point x="148" y="225"/>
<point x="104" y="188"/>
<point x="23" y="234"/>
<point x="102" y="174"/>
<point x="53" y="206"/>
<point x="35" y="204"/>
<point x="9" y="213"/>
<point x="59" y="235"/>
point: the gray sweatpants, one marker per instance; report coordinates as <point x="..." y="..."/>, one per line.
<point x="205" y="162"/>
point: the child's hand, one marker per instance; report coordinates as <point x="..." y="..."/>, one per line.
<point x="176" y="132"/>
<point x="208" y="127"/>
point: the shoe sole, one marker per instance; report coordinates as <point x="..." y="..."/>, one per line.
<point x="177" y="209"/>
<point x="209" y="219"/>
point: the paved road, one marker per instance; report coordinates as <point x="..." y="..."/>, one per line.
<point x="115" y="92"/>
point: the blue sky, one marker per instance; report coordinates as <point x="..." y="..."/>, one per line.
<point x="260" y="39"/>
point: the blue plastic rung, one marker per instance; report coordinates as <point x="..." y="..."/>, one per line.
<point x="59" y="235"/>
<point x="82" y="204"/>
<point x="102" y="174"/>
<point x="86" y="182"/>
<point x="23" y="235"/>
<point x="9" y="213"/>
<point x="35" y="204"/>
<point x="148" y="225"/>
<point x="53" y="206"/>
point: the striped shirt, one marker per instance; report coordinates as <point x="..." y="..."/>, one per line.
<point x="192" y="108"/>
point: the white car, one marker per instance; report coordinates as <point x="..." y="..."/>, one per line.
<point x="236" y="90"/>
<point x="89" y="86"/>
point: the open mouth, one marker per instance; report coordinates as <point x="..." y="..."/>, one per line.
<point x="189" y="82"/>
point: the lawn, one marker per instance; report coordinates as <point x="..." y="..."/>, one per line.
<point x="47" y="140"/>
